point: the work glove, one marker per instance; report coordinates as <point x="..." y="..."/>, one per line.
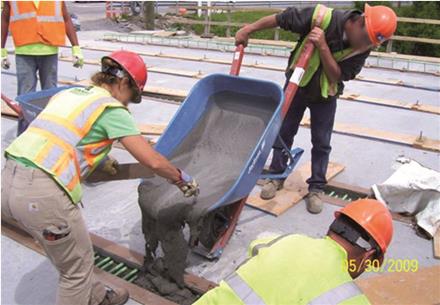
<point x="78" y="58"/>
<point x="5" y="61"/>
<point x="187" y="185"/>
<point x="109" y="166"/>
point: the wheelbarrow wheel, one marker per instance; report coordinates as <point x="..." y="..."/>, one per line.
<point x="214" y="224"/>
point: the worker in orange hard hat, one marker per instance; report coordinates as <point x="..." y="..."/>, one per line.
<point x="343" y="40"/>
<point x="296" y="269"/>
<point x="41" y="181"/>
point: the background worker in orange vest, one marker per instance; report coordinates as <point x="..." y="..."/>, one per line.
<point x="41" y="181"/>
<point x="38" y="28"/>
<point x="342" y="43"/>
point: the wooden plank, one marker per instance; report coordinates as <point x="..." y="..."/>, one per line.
<point x="295" y="188"/>
<point x="436" y="244"/>
<point x="152" y="129"/>
<point x="416" y="39"/>
<point x="391" y="103"/>
<point x="421" y="287"/>
<point x="13" y="231"/>
<point x="200" y="75"/>
<point x="381" y="135"/>
<point x="137" y="293"/>
<point x="126" y="171"/>
<point x="418" y="20"/>
<point x="342" y="203"/>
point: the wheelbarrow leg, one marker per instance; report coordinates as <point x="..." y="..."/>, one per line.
<point x="231" y="218"/>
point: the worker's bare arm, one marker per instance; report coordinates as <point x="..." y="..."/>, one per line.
<point x="331" y="67"/>
<point x="5" y="22"/>
<point x="70" y="29"/>
<point x="139" y="148"/>
<point x="242" y="36"/>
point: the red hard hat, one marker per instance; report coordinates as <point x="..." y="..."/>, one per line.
<point x="380" y="23"/>
<point x="133" y="64"/>
<point x="374" y="217"/>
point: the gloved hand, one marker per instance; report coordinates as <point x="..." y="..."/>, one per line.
<point x="109" y="166"/>
<point x="78" y="58"/>
<point x="187" y="185"/>
<point x="5" y="61"/>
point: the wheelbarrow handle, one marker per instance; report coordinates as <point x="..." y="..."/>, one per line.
<point x="13" y="105"/>
<point x="236" y="61"/>
<point x="297" y="75"/>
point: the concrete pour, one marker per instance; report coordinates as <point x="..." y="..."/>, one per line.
<point x="229" y="130"/>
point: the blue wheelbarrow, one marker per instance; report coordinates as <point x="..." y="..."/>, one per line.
<point x="221" y="135"/>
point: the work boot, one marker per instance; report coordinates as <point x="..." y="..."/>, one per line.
<point x="270" y="188"/>
<point x="115" y="296"/>
<point x="313" y="202"/>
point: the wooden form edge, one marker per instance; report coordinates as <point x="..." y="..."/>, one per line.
<point x="12" y="230"/>
<point x="143" y="296"/>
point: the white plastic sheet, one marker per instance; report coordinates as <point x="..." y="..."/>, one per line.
<point x="415" y="190"/>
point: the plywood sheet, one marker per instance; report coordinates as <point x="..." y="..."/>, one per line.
<point x="295" y="188"/>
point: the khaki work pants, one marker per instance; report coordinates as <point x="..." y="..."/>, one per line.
<point x="37" y="203"/>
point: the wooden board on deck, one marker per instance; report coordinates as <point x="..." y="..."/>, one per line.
<point x="436" y="244"/>
<point x="420" y="287"/>
<point x="295" y="188"/>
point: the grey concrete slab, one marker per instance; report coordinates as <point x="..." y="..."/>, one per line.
<point x="111" y="209"/>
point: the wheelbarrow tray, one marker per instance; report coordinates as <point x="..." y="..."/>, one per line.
<point x="33" y="103"/>
<point x="221" y="135"/>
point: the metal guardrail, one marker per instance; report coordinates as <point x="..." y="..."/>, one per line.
<point x="234" y="8"/>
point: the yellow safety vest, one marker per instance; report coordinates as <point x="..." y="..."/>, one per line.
<point x="327" y="88"/>
<point x="52" y="140"/>
<point x="291" y="269"/>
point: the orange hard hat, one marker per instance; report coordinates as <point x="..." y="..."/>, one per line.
<point x="374" y="217"/>
<point x="133" y="64"/>
<point x="380" y="23"/>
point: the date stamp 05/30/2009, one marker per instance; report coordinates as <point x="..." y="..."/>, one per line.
<point x="388" y="265"/>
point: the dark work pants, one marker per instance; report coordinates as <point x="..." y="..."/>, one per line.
<point x="322" y="117"/>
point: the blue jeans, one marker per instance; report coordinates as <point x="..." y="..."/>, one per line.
<point x="322" y="117"/>
<point x="27" y="68"/>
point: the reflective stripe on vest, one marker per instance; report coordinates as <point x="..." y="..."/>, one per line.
<point x="337" y="295"/>
<point x="247" y="295"/>
<point x="64" y="122"/>
<point x="58" y="17"/>
<point x="43" y="24"/>
<point x="82" y="121"/>
<point x="315" y="61"/>
<point x="333" y="296"/>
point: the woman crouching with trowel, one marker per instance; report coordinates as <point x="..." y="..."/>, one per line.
<point x="41" y="182"/>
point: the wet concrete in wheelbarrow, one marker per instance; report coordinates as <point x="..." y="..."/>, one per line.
<point x="214" y="153"/>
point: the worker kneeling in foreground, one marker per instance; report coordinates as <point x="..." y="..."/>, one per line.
<point x="342" y="40"/>
<point x="296" y="269"/>
<point x="41" y="182"/>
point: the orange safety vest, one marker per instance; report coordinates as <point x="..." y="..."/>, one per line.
<point x="45" y="24"/>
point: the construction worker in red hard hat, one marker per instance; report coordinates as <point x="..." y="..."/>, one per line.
<point x="343" y="40"/>
<point x="41" y="181"/>
<point x="300" y="270"/>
